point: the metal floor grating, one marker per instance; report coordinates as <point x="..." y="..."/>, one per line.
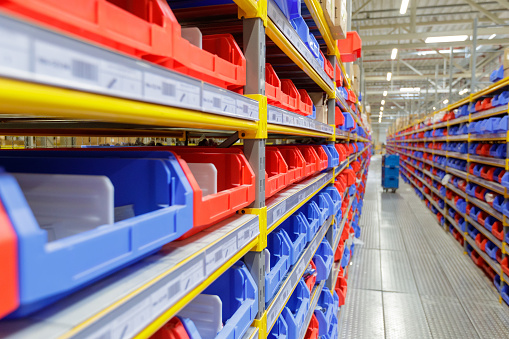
<point x="409" y="278"/>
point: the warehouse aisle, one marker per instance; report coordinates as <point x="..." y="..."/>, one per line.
<point x="400" y="285"/>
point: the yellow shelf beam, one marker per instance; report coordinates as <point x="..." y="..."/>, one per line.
<point x="29" y="99"/>
<point x="286" y="46"/>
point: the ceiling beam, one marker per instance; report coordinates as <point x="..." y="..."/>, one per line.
<point x="417" y="77"/>
<point x="413" y="16"/>
<point x="361" y="7"/>
<point x="383" y="47"/>
<point x="504" y="3"/>
<point x="484" y="11"/>
<point x="424" y="35"/>
<point x="422" y="23"/>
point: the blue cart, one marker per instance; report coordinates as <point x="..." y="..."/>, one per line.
<point x="390" y="172"/>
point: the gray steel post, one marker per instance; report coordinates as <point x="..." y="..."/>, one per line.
<point x="473" y="56"/>
<point x="436" y="85"/>
<point x="331" y="112"/>
<point x="254" y="52"/>
<point x="255" y="262"/>
<point x="254" y="149"/>
<point x="451" y="69"/>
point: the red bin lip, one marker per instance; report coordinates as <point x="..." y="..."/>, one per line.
<point x="173" y="329"/>
<point x="9" y="284"/>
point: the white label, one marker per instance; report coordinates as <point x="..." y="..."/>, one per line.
<point x="246" y="109"/>
<point x="123" y="80"/>
<point x="53" y="61"/>
<point x="171" y="92"/>
<point x="131" y="322"/>
<point x="14" y="51"/>
<point x="279" y="211"/>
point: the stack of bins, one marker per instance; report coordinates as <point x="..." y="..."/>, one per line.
<point x="390" y="172"/>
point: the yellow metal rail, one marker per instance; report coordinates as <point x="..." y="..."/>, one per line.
<point x="29" y="99"/>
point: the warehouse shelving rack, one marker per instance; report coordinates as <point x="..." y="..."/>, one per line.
<point x="131" y="101"/>
<point x="398" y="144"/>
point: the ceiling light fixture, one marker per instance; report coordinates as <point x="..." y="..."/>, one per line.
<point x="446" y="101"/>
<point x="492" y="37"/>
<point x="389" y="76"/>
<point x="382" y="108"/>
<point x="383" y="102"/>
<point x="452" y="38"/>
<point x="410" y="89"/>
<point x="434" y="108"/>
<point x="404" y="6"/>
<point x="385" y="93"/>
<point x="394" y="53"/>
<point x="463" y="91"/>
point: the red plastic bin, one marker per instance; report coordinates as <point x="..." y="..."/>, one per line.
<point x="342" y="151"/>
<point x="290" y="97"/>
<point x="9" y="293"/>
<point x="310" y="279"/>
<point x="339" y="118"/>
<point x="505" y="265"/>
<point x="173" y="329"/>
<point x="341" y="287"/>
<point x="276" y="171"/>
<point x="272" y="85"/>
<point x="235" y="183"/>
<point x="327" y="67"/>
<point x="313" y="162"/>
<point x="481" y="241"/>
<point x="312" y="331"/>
<point x="351" y="47"/>
<point x="146" y="29"/>
<point x="324" y="159"/>
<point x="295" y="161"/>
<point x="339" y="251"/>
<point x="305" y="103"/>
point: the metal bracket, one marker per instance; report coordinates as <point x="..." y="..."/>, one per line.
<point x="261" y="324"/>
<point x="261" y="132"/>
<point x="230" y="141"/>
<point x="262" y="220"/>
<point x="253" y="9"/>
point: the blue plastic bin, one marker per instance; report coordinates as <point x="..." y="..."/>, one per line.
<point x="239" y="295"/>
<point x="279" y="330"/>
<point x="323" y="259"/>
<point x="498" y="203"/>
<point x="491" y="249"/>
<point x="325" y="204"/>
<point x="333" y="329"/>
<point x="296" y="309"/>
<point x="462" y="224"/>
<point x="312" y="214"/>
<point x="498" y="283"/>
<point x="296" y="228"/>
<point x="326" y="309"/>
<point x="161" y="200"/>
<point x="498" y="151"/>
<point x="279" y="247"/>
<point x="472" y="231"/>
<point x="346" y="257"/>
<point x="336" y="198"/>
<point x="469" y="249"/>
<point x="333" y="155"/>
